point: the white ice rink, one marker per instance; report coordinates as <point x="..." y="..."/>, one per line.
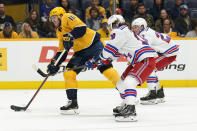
<point x="179" y="113"/>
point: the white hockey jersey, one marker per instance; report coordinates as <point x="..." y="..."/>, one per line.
<point x="160" y="42"/>
<point x="124" y="42"/>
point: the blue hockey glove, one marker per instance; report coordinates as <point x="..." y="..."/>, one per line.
<point x="68" y="41"/>
<point x="91" y="64"/>
<point x="52" y="69"/>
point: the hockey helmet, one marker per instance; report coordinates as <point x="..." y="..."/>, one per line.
<point x="57" y="11"/>
<point x="139" y="22"/>
<point x="117" y="19"/>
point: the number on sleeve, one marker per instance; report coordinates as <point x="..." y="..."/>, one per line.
<point x="71" y="17"/>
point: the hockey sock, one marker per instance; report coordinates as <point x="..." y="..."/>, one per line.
<point x="129" y="85"/>
<point x="112" y="75"/>
<point x="70" y="80"/>
<point x="71" y="84"/>
<point x="153" y="82"/>
<point x="121" y="89"/>
<point x="71" y="94"/>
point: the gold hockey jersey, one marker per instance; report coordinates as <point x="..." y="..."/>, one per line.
<point x="70" y="22"/>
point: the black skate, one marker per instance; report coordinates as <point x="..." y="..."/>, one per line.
<point x="160" y="95"/>
<point x="70" y="107"/>
<point x="127" y="113"/>
<point x="150" y="98"/>
<point x="117" y="109"/>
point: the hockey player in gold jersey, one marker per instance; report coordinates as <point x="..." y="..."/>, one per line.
<point x="72" y="32"/>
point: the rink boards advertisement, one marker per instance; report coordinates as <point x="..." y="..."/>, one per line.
<point x="17" y="58"/>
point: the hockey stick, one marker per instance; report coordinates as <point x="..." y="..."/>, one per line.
<point x="19" y="108"/>
<point x="39" y="71"/>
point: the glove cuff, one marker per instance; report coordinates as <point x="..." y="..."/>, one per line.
<point x="69" y="34"/>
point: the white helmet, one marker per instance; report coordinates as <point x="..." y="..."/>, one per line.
<point x="115" y="18"/>
<point x="139" y="22"/>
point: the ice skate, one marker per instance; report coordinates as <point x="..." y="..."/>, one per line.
<point x="117" y="109"/>
<point x="160" y="95"/>
<point x="150" y="98"/>
<point x="70" y="108"/>
<point x="127" y="114"/>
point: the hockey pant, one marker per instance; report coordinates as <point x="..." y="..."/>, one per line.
<point x="161" y="62"/>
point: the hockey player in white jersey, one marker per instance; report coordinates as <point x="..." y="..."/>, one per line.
<point x="167" y="51"/>
<point x="138" y="53"/>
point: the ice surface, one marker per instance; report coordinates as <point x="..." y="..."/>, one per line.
<point x="179" y="112"/>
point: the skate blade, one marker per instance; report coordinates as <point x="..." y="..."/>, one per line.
<point x="149" y="102"/>
<point x="69" y="112"/>
<point x="115" y="114"/>
<point x="126" y="119"/>
<point x="160" y="100"/>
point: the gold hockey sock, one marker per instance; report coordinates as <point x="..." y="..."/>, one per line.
<point x="70" y="80"/>
<point x="112" y="75"/>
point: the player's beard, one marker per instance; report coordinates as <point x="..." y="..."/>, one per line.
<point x="57" y="24"/>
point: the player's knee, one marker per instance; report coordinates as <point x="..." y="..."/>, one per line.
<point x="70" y="75"/>
<point x="130" y="82"/>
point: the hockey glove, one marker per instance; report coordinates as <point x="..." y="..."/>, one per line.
<point x="104" y="60"/>
<point x="91" y="64"/>
<point x="68" y="41"/>
<point x="52" y="69"/>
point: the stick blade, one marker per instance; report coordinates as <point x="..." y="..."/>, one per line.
<point x="35" y="67"/>
<point x="17" y="108"/>
<point x="39" y="71"/>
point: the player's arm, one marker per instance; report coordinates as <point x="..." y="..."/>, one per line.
<point x="60" y="56"/>
<point x="69" y="38"/>
<point x="77" y="29"/>
<point x="76" y="26"/>
<point x="111" y="49"/>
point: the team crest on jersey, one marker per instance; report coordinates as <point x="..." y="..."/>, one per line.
<point x="112" y="36"/>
